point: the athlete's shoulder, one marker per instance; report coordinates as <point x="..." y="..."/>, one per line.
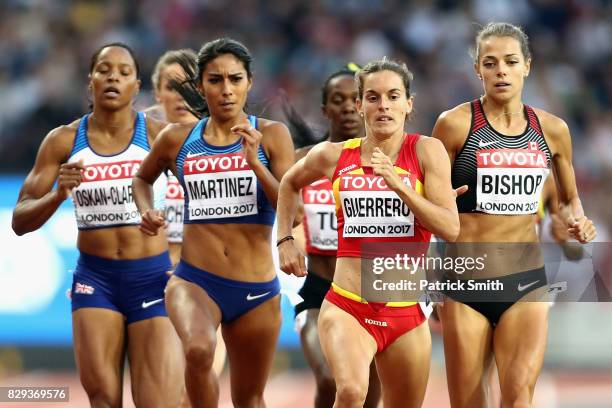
<point x="177" y="132"/>
<point x="325" y="157"/>
<point x="428" y="142"/>
<point x="553" y="126"/>
<point x="67" y="129"/>
<point x="61" y="139"/>
<point x="456" y="116"/>
<point x="326" y="152"/>
<point x="430" y="148"/>
<point x="454" y="122"/>
<point x="272" y="127"/>
<point x="275" y="136"/>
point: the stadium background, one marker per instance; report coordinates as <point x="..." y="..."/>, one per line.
<point x="45" y="48"/>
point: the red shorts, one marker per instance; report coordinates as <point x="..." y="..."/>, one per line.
<point x="384" y="323"/>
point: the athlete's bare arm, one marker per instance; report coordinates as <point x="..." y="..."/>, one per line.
<point x="570" y="207"/>
<point x="452" y="129"/>
<point x="320" y="162"/>
<point x="438" y="212"/>
<point x="162" y="156"/>
<point x="298" y="228"/>
<point x="558" y="228"/>
<point x="550" y="198"/>
<point x="277" y="144"/>
<point x="550" y="201"/>
<point x="37" y="202"/>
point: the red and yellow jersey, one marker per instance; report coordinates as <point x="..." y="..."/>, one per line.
<point x="368" y="212"/>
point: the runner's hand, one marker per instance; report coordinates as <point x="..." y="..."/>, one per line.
<point x="382" y="166"/>
<point x="291" y="260"/>
<point x="251" y="139"/>
<point x="152" y="221"/>
<point x="70" y="176"/>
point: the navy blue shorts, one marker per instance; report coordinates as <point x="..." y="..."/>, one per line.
<point x="134" y="288"/>
<point x="234" y="298"/>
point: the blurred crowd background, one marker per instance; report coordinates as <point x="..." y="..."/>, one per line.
<point x="45" y="50"/>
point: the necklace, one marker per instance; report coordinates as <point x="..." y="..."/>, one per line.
<point x="503" y="113"/>
<point x="507" y="114"/>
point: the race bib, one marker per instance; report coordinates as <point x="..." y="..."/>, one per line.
<point x="104" y="197"/>
<point x="174" y="210"/>
<point x="370" y="209"/>
<point x="320" y="212"/>
<point x="219" y="186"/>
<point x="510" y="181"/>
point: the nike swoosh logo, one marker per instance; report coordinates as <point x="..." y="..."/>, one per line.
<point x="523" y="287"/>
<point x="249" y="297"/>
<point x="190" y="155"/>
<point x="482" y="144"/>
<point x="151" y="303"/>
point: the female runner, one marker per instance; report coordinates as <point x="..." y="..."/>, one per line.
<point x="503" y="150"/>
<point x="229" y="165"/>
<point x="388" y="168"/>
<point x="118" y="285"/>
<point x="320" y="229"/>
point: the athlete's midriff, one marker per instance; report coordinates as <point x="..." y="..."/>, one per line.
<point x="126" y="242"/>
<point x="478" y="227"/>
<point x="510" y="243"/>
<point x="348" y="274"/>
<point x="234" y="251"/>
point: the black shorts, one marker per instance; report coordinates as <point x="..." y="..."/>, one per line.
<point x="493" y="304"/>
<point x="313" y="292"/>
